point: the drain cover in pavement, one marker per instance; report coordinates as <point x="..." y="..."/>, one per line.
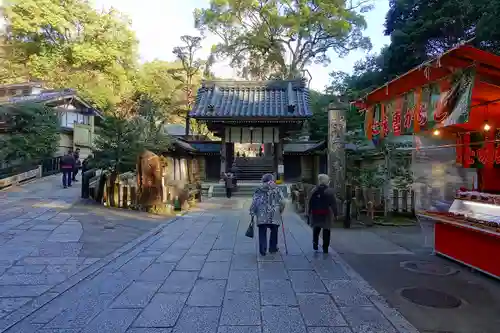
<point x="431" y="298"/>
<point x="428" y="267"/>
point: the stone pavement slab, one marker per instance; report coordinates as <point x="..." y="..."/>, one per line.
<point x="200" y="273"/>
<point x="48" y="243"/>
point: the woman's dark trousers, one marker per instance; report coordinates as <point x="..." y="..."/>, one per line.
<point x="326" y="238"/>
<point x="273" y="239"/>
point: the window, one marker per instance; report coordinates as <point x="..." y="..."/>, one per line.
<point x="62" y="118"/>
<point x="83" y="119"/>
<point x="71" y="119"/>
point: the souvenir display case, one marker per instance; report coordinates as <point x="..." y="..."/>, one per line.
<point x="452" y="111"/>
<point x="470" y="231"/>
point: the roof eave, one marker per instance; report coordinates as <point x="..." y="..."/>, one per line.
<point x="251" y="118"/>
<point x="461" y="56"/>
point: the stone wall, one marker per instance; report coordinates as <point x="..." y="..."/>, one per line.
<point x="201" y="167"/>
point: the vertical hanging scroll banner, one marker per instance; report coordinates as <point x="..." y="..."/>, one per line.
<point x="408" y="113"/>
<point x="383" y="131"/>
<point x="369" y="123"/>
<point x="396" y="116"/>
<point x="416" y="114"/>
<point x="376" y="133"/>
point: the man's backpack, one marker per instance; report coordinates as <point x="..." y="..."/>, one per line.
<point x="319" y="204"/>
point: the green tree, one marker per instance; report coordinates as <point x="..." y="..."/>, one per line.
<point x="274" y="30"/>
<point x="191" y="69"/>
<point x="120" y="140"/>
<point x="117" y="145"/>
<point x="33" y="133"/>
<point x="189" y="76"/>
<point x="318" y="124"/>
<point x="70" y="44"/>
<point x="157" y="84"/>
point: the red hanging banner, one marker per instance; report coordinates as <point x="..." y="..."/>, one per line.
<point x="486" y="154"/>
<point x="468" y="157"/>
<point x="396" y="116"/>
<point x="416" y="115"/>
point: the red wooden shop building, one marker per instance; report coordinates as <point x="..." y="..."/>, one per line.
<point x="452" y="103"/>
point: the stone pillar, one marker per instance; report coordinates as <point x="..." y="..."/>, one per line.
<point x="336" y="149"/>
<point x="223" y="155"/>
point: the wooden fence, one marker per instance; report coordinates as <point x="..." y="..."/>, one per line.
<point x="400" y="201"/>
<point x="16" y="174"/>
<point x="124" y="193"/>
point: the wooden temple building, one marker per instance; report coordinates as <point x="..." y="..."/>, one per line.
<point x="261" y="113"/>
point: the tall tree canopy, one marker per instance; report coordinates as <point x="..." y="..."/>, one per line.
<point x="70" y="44"/>
<point x="286" y="36"/>
<point x="189" y="75"/>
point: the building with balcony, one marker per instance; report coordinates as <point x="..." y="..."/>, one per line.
<point x="77" y="117"/>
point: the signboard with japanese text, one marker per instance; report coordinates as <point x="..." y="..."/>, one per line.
<point x="478" y="150"/>
<point x="443" y="103"/>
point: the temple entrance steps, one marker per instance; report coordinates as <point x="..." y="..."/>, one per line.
<point x="252" y="168"/>
<point x="242" y="190"/>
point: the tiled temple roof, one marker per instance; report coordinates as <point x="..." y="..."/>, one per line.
<point x="244" y="99"/>
<point x="206" y="147"/>
<point x="48" y="96"/>
<point x="303" y="147"/>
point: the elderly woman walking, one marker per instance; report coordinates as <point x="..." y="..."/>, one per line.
<point x="322" y="211"/>
<point x="267" y="206"/>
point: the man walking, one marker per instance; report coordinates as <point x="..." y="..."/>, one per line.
<point x="322" y="211"/>
<point x="229" y="183"/>
<point x="234" y="171"/>
<point x="67" y="166"/>
<point x="78" y="164"/>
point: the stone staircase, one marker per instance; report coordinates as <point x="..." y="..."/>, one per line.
<point x="252" y="168"/>
<point x="243" y="190"/>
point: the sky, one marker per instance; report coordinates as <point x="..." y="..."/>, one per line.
<point x="159" y="24"/>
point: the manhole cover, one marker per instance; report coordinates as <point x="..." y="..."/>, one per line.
<point x="427" y="267"/>
<point x="431" y="298"/>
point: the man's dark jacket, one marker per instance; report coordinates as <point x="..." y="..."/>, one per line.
<point x="322" y="221"/>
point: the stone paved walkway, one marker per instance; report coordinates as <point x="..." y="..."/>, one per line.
<point x="200" y="273"/>
<point x="45" y="239"/>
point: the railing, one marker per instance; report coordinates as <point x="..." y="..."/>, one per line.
<point x="50" y="166"/>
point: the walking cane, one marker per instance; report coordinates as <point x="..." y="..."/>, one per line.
<point x="284" y="237"/>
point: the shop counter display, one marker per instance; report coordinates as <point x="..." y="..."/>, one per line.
<point x="469" y="233"/>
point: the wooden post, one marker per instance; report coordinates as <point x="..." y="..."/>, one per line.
<point x="223" y="155"/>
<point x="278" y="152"/>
